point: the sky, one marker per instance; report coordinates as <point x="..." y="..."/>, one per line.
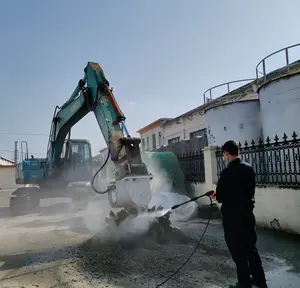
<point x="159" y="56"/>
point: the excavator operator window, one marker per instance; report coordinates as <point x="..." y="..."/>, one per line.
<point x="87" y="151"/>
<point x="81" y="152"/>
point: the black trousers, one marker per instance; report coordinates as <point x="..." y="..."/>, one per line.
<point x="241" y="238"/>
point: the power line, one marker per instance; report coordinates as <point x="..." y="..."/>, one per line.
<point x="33" y="134"/>
<point x="24" y="134"/>
<point x="27" y="134"/>
<point x="4" y="150"/>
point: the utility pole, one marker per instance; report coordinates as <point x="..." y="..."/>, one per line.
<point x="16" y="152"/>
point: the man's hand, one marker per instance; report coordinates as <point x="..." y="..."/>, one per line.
<point x="213" y="196"/>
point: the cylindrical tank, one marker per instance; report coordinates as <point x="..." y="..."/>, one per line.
<point x="280" y="109"/>
<point x="279" y="96"/>
<point x="280" y="106"/>
<point x="234" y="115"/>
<point x="238" y="121"/>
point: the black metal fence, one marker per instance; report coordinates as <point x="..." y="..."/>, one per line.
<point x="192" y="165"/>
<point x="276" y="162"/>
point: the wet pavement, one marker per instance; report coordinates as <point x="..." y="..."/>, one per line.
<point x="280" y="253"/>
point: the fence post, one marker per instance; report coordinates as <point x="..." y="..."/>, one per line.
<point x="210" y="165"/>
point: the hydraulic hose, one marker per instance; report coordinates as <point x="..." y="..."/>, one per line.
<point x="100" y="169"/>
<point x="96" y="174"/>
<point x="108" y="152"/>
<point x="107" y="158"/>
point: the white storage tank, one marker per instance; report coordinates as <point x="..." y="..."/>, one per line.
<point x="280" y="106"/>
<point x="234" y="116"/>
<point x="279" y="97"/>
<point x="239" y="121"/>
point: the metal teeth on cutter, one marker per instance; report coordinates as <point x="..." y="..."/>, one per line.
<point x="158" y="228"/>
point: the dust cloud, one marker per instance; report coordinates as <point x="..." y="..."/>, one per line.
<point x="99" y="208"/>
<point x="61" y="214"/>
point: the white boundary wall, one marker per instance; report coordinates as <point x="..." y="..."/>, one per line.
<point x="275" y="207"/>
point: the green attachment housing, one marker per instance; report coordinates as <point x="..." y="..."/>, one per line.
<point x="166" y="164"/>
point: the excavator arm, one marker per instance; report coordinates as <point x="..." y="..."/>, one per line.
<point x="131" y="188"/>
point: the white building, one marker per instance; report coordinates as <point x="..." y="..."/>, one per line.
<point x="185" y="126"/>
<point x="210" y="118"/>
<point x="152" y="135"/>
<point x="249" y="109"/>
<point x="171" y="130"/>
<point x="5" y="162"/>
<point x="7" y="174"/>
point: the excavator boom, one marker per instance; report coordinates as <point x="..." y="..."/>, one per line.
<point x="131" y="188"/>
<point x="93" y="94"/>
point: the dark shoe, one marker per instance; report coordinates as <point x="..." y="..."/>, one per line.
<point x="256" y="285"/>
<point x="237" y="285"/>
<point x="259" y="285"/>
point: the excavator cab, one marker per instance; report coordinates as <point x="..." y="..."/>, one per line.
<point x="29" y="170"/>
<point x="76" y="151"/>
<point x="77" y="160"/>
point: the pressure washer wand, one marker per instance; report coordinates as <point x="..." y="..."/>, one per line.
<point x="207" y="194"/>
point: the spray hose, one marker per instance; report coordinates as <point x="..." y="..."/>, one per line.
<point x="209" y="194"/>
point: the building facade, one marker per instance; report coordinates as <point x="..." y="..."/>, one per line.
<point x="185" y="126"/>
<point x="7" y="174"/>
<point x="206" y="119"/>
<point x="166" y="131"/>
<point x="152" y="135"/>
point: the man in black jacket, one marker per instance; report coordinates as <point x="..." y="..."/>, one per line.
<point x="235" y="190"/>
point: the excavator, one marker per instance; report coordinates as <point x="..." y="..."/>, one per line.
<point x="67" y="170"/>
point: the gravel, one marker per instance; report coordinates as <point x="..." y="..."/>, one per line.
<point x="57" y="250"/>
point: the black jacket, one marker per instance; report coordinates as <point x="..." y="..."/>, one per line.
<point x="236" y="189"/>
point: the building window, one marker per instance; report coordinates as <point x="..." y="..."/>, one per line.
<point x="174" y="140"/>
<point x="159" y="139"/>
<point x="153" y="141"/>
<point x="198" y="133"/>
<point x="143" y="144"/>
<point x="147" y="143"/>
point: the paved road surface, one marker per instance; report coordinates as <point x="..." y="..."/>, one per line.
<point x="56" y="248"/>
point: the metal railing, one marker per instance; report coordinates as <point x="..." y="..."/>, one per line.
<point x="263" y="73"/>
<point x="275" y="163"/>
<point x="210" y="97"/>
<point x="192" y="165"/>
